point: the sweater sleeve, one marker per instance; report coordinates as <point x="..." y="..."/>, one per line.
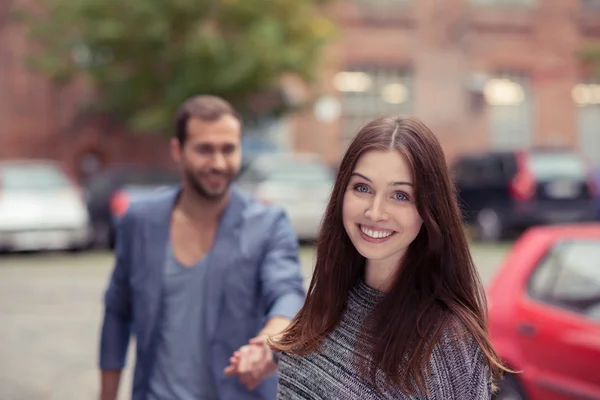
<point x="459" y="369"/>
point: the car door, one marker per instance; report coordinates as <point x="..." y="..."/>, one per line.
<point x="558" y="323"/>
<point x="302" y="189"/>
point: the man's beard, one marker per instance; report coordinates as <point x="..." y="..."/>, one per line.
<point x="201" y="191"/>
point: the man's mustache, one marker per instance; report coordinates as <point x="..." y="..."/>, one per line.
<point x="224" y="173"/>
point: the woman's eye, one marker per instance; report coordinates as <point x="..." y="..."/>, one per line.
<point x="400" y="196"/>
<point x="361" y="188"/>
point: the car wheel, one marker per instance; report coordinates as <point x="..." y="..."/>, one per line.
<point x="489" y="226"/>
<point x="509" y="389"/>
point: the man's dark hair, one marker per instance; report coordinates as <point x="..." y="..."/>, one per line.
<point x="204" y="107"/>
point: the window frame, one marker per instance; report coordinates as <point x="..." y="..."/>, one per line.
<point x="358" y="108"/>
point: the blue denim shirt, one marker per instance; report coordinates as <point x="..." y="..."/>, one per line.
<point x="254" y="275"/>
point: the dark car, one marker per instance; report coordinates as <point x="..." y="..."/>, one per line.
<point x="596" y="181"/>
<point x="110" y="193"/>
<point x="500" y="191"/>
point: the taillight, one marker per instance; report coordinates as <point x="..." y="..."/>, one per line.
<point x="119" y="203"/>
<point x="522" y="186"/>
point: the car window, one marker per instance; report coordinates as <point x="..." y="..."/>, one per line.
<point x="99" y="185"/>
<point x="300" y="172"/>
<point x="569" y="277"/>
<point x="33" y="177"/>
<point x="553" y="165"/>
<point x="542" y="281"/>
<point x="490" y="168"/>
<point x="251" y="174"/>
<point x="287" y="171"/>
<point x="462" y="169"/>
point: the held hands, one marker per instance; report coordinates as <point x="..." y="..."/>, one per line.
<point x="252" y="363"/>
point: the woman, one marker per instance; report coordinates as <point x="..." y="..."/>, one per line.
<point x="395" y="308"/>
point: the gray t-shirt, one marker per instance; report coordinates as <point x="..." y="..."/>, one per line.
<point x="183" y="369"/>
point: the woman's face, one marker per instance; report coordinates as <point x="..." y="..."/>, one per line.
<point x="379" y="211"/>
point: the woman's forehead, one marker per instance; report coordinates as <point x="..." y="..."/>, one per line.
<point x="384" y="166"/>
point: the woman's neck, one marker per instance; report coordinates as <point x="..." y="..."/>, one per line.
<point x="380" y="274"/>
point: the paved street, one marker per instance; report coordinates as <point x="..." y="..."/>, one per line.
<point x="50" y="310"/>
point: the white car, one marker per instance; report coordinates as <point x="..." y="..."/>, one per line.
<point x="300" y="183"/>
<point x="41" y="208"/>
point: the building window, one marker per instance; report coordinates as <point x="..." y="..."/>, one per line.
<point x="374" y="11"/>
<point x="587" y="99"/>
<point x="370" y="92"/>
<point x="504" y="3"/>
<point x="382" y="5"/>
<point x="509" y="100"/>
<point x="587" y="5"/>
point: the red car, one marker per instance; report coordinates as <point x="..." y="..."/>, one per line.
<point x="545" y="314"/>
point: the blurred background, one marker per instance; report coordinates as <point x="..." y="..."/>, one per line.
<point x="88" y="92"/>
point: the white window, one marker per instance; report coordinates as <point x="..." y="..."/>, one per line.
<point x="509" y="100"/>
<point x="370" y="92"/>
<point x="587" y="98"/>
<point x="382" y="5"/>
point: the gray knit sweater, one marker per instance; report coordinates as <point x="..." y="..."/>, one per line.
<point x="458" y="369"/>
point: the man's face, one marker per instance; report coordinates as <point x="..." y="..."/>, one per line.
<point x="211" y="156"/>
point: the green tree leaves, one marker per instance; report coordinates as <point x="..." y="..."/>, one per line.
<point x="146" y="57"/>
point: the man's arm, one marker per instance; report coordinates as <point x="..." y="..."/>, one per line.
<point x="281" y="276"/>
<point x="116" y="327"/>
<point x="274" y="326"/>
<point x="283" y="293"/>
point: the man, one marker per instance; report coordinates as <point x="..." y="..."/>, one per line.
<point x="200" y="272"/>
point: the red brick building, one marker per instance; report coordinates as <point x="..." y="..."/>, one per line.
<point x="481" y="73"/>
<point x="440" y="59"/>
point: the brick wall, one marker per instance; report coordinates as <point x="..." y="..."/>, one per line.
<point x="442" y="42"/>
<point x="39" y="120"/>
<point x="445" y="42"/>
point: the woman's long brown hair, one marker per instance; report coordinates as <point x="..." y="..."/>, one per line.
<point x="437" y="281"/>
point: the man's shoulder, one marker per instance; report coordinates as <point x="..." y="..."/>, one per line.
<point x="153" y="205"/>
<point x="257" y="211"/>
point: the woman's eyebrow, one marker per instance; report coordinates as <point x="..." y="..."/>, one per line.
<point x="399" y="183"/>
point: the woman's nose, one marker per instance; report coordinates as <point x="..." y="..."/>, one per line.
<point x="375" y="212"/>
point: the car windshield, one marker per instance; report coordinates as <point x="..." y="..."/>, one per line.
<point x="300" y="172"/>
<point x="286" y="170"/>
<point x="34" y="177"/>
<point x="555" y="165"/>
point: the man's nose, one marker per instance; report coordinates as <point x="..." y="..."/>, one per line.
<point x="219" y="162"/>
<point x="376" y="210"/>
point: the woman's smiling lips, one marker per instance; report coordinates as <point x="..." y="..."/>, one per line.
<point x="373" y="234"/>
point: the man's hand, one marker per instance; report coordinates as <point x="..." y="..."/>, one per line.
<point x="109" y="383"/>
<point x="252" y="363"/>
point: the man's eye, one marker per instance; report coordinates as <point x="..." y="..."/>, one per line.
<point x="204" y="150"/>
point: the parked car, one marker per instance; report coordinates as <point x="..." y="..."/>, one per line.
<point x="111" y="192"/>
<point x="545" y="314"/>
<point x="500" y="191"/>
<point x="41" y="208"/>
<point x="300" y="183"/>
<point x="596" y="180"/>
